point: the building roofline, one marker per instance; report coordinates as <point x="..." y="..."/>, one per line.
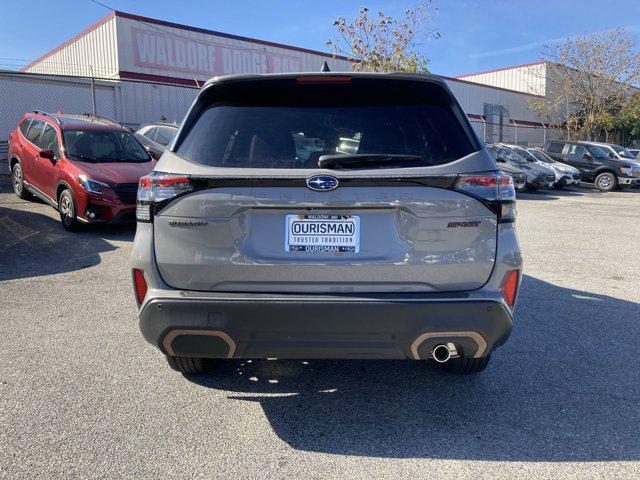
<point x="460" y="80"/>
<point x="77" y="37"/>
<point x="155" y="21"/>
<point x="531" y="64"/>
<point x="180" y="26"/>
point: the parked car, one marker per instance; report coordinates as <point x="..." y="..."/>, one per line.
<point x="594" y="163"/>
<point x="614" y="151"/>
<point x="635" y="151"/>
<point x="86" y="167"/>
<point x="405" y="249"/>
<point x="566" y="175"/>
<point x="518" y="175"/>
<point x="538" y="176"/>
<point x="155" y="137"/>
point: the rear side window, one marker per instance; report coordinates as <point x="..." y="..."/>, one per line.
<point x="165" y="135"/>
<point x="297" y="132"/>
<point x="576" y="151"/>
<point x="24" y="126"/>
<point x="555" y="147"/>
<point x="151" y="133"/>
<point x="35" y="129"/>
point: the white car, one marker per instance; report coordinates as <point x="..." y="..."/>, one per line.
<point x="566" y="175"/>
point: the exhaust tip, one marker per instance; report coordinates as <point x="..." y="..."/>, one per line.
<point x="441" y="353"/>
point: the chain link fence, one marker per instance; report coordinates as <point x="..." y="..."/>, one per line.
<point x="133" y="102"/>
<point x="129" y="102"/>
<point x="517" y="133"/>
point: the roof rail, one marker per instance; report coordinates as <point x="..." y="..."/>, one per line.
<point x="100" y="117"/>
<point x="46" y="114"/>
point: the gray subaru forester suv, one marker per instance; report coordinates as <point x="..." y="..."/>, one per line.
<point x="351" y="216"/>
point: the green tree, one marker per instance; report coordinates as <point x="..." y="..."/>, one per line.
<point x="589" y="79"/>
<point x="628" y="120"/>
<point x="380" y="43"/>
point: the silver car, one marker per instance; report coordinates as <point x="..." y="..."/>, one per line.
<point x="566" y="175"/>
<point x="249" y="245"/>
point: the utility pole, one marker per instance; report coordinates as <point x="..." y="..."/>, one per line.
<point x="93" y="90"/>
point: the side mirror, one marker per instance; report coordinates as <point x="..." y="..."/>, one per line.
<point x="501" y="160"/>
<point x="48" y="154"/>
<point x="586" y="156"/>
<point x="530" y="160"/>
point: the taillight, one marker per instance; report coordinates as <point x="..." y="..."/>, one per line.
<point x="154" y="189"/>
<point x="496" y="190"/>
<point x="510" y="287"/>
<point x="140" y="285"/>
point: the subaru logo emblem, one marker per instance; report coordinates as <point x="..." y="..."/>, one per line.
<point x="322" y="183"/>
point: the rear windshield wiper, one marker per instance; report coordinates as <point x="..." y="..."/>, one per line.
<point x="368" y="160"/>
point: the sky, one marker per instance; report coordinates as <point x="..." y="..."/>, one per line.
<point x="476" y="35"/>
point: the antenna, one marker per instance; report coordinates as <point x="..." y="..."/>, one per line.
<point x="325" y="67"/>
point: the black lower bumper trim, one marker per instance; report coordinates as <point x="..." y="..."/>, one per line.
<point x="321" y="327"/>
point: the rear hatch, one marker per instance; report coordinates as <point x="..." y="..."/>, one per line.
<point x="241" y="204"/>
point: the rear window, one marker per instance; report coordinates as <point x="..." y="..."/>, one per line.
<point x="255" y="135"/>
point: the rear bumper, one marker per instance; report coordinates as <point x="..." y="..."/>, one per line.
<point x="390" y="326"/>
<point x="305" y="325"/>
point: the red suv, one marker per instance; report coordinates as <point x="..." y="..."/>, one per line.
<point x="87" y="167"/>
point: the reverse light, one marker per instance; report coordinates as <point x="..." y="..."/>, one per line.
<point x="510" y="287"/>
<point x="154" y="189"/>
<point x="91" y="185"/>
<point x="496" y="190"/>
<point x="140" y="285"/>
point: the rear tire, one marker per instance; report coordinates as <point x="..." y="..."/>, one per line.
<point x="17" y="180"/>
<point x="67" y="209"/>
<point x="606" y="182"/>
<point x="190" y="364"/>
<point x="463" y="365"/>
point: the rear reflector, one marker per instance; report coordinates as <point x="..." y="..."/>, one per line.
<point x="140" y="285"/>
<point x="510" y="287"/>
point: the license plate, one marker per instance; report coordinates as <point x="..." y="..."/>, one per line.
<point x="322" y="233"/>
<point x="550" y="184"/>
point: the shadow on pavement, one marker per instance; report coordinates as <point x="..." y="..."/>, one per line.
<point x="565" y="387"/>
<point x="34" y="244"/>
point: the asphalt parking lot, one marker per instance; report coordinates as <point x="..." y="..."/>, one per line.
<point x="83" y="396"/>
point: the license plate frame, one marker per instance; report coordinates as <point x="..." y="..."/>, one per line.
<point x="340" y="234"/>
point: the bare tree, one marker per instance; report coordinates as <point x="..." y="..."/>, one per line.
<point x="381" y="43"/>
<point x="589" y="79"/>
